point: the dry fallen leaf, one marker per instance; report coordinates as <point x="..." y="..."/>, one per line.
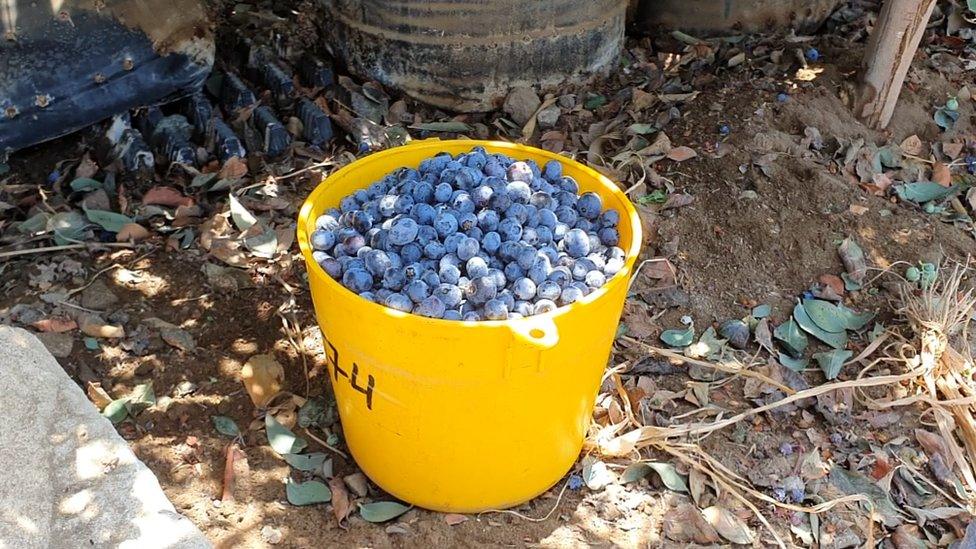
<point x="454" y="519"/>
<point x="685" y="524"/>
<point x="233" y="168"/>
<point x="341" y="504"/>
<point x="262" y="376"/>
<point x="912" y="145"/>
<point x="941" y="174"/>
<point x="132" y="232"/>
<point x="97" y="395"/>
<point x="682" y="153"/>
<point x="834" y="282"/>
<point x="165" y="196"/>
<point x="57" y="324"/>
<point x="728" y="525"/>
<point x="857" y="209"/>
<point x="952" y="150"/>
<point x="91" y="326"/>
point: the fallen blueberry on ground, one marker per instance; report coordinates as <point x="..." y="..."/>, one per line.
<point x="477" y="236"/>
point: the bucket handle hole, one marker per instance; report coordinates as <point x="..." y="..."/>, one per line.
<point x="537" y="333"/>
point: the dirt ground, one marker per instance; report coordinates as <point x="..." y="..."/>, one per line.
<point x="767" y="216"/>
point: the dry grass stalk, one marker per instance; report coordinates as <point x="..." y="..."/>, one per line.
<point x="939" y="317"/>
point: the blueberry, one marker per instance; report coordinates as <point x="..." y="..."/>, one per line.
<point x="468" y="178"/>
<point x="488" y="220"/>
<point x="813" y="54"/>
<point x="476" y="267"/>
<point x="423" y="192"/>
<point x="613" y="266"/>
<point x="507" y="298"/>
<point x="467" y="249"/>
<point x="526" y="257"/>
<point x="467" y="221"/>
<point x="431" y="307"/>
<point x="548" y="290"/>
<point x="559" y="231"/>
<point x="445" y="223"/>
<point x="524" y="289"/>
<point x="584" y="225"/>
<point x="547" y="218"/>
<point x="463" y="203"/>
<point x="550" y="252"/>
<point x="519" y="192"/>
<point x="348" y="204"/>
<point x="595" y="279"/>
<point x="609" y="236"/>
<point x="495" y="309"/>
<point x="481" y="196"/>
<point x="518" y="212"/>
<point x="544" y="306"/>
<point x="471" y="316"/>
<point x="399" y="302"/>
<point x="403" y="204"/>
<point x="481" y="290"/>
<point x="520" y="171"/>
<point x="403" y="231"/>
<point x="530" y="236"/>
<point x="323" y="240"/>
<point x="332" y="267"/>
<point x="443" y="192"/>
<point x="499" y="277"/>
<point x="568" y="184"/>
<point x="357" y="280"/>
<point x="493" y="169"/>
<point x="434" y="250"/>
<point x="377" y="262"/>
<point x="426" y="234"/>
<point x="541" y="200"/>
<point x="561" y="276"/>
<point x="509" y="229"/>
<point x="544" y="235"/>
<point x="423" y="213"/>
<point x="449" y="294"/>
<point x="449" y="259"/>
<point x="352" y="243"/>
<point x="553" y="170"/>
<point x="539" y="271"/>
<point x="452" y="315"/>
<point x="513" y="271"/>
<point x="567" y="215"/>
<point x="500" y="200"/>
<point x="524" y="308"/>
<point x="576" y="243"/>
<point x="569" y="295"/>
<point x="490" y="242"/>
<point x="368" y="296"/>
<point x="581" y="267"/>
<point x="394" y="279"/>
<point x="430" y="278"/>
<point x="326" y="222"/>
<point x="610" y="218"/>
<point x="417" y="291"/>
<point x="411" y="253"/>
<point x="449" y="274"/>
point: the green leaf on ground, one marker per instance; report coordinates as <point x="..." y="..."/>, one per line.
<point x="761" y="311"/>
<point x="832" y="361"/>
<point x="852" y="320"/>
<point x="116" y="411"/>
<point x="795" y="364"/>
<point x="851" y="483"/>
<point x="243" y="218"/>
<point x="225" y="426"/>
<point x="825" y="315"/>
<point x="447" y="127"/>
<point x="669" y="475"/>
<point x="85" y="184"/>
<point x="306" y="462"/>
<point x="34" y="224"/>
<point x="68" y="227"/>
<point x="679" y="338"/>
<point x="141" y="397"/>
<point x="307" y="493"/>
<point x="382" y="511"/>
<point x="281" y="439"/>
<point x="789" y="334"/>
<point x="110" y="221"/>
<point x="837" y="341"/>
<point x="923" y="191"/>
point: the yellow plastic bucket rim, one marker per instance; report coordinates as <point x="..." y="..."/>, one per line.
<point x="306" y="217"/>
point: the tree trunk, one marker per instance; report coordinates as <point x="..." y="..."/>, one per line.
<point x="889" y="54"/>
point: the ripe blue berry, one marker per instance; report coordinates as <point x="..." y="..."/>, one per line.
<point x="403" y="231"/>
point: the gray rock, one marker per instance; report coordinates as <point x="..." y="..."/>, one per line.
<point x="521" y="104"/>
<point x="69" y="479"/>
<point x="59" y="345"/>
<point x="98" y="296"/>
<point x="549" y="116"/>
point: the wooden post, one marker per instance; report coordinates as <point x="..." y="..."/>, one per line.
<point x="890" y="51"/>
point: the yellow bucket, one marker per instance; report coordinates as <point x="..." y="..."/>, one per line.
<point x="464" y="416"/>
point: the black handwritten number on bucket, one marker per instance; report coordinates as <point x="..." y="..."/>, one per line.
<point x="332" y="359"/>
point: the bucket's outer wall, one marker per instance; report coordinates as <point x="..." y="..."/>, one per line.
<point x="466" y="55"/>
<point x="715" y="16"/>
<point x="464" y="416"/>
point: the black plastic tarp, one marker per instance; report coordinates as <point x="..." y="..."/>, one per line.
<point x="65" y="65"/>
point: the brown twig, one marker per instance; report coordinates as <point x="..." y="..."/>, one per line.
<point x="228" y="488"/>
<point x="326" y="444"/>
<point x="65" y="247"/>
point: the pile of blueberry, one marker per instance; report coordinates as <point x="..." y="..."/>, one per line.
<point x="478" y="236"/>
